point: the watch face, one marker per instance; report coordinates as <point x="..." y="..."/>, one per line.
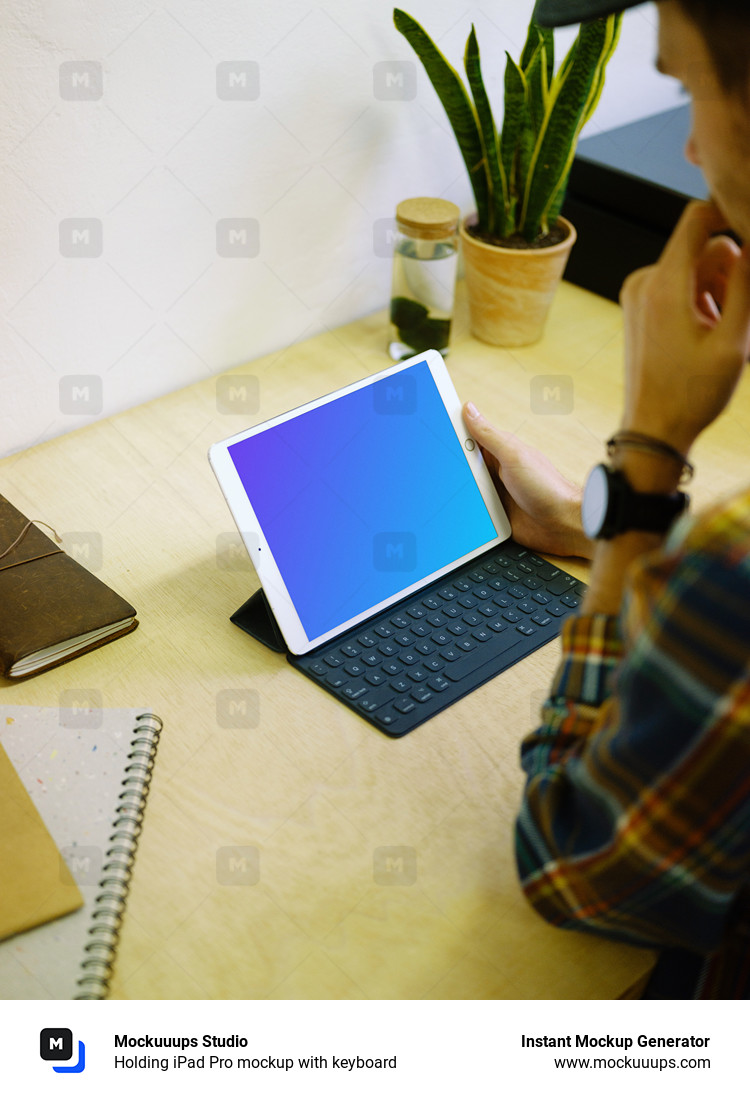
<point x="595" y="502"/>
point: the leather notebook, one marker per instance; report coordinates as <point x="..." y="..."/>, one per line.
<point x="51" y="607"/>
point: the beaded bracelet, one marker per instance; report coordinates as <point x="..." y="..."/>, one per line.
<point x="642" y="442"/>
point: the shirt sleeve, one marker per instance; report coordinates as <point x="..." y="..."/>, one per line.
<point x="635" y="821"/>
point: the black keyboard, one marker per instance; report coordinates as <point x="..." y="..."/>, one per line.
<point x="404" y="665"/>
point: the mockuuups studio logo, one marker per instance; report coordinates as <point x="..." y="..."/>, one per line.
<point x="56" y="1045"/>
<point x="394" y="551"/>
<point x="394" y="80"/>
<point x="552" y="394"/>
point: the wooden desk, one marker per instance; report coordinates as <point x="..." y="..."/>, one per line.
<point x="310" y="785"/>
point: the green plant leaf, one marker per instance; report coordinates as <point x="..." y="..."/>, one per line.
<point x="514" y="117"/>
<point x="458" y="107"/>
<point x="614" y="25"/>
<point x="499" y="203"/>
<point x="569" y="96"/>
<point x="536" y="87"/>
<point x="597" y="87"/>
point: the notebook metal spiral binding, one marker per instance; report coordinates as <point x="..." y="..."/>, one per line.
<point x="114" y="885"/>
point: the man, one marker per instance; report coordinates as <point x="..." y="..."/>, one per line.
<point x="635" y="822"/>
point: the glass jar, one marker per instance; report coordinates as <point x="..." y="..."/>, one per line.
<point x="425" y="257"/>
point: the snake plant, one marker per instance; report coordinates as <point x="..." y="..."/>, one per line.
<point x="519" y="172"/>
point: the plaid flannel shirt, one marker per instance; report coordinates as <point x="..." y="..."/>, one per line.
<point x="635" y="821"/>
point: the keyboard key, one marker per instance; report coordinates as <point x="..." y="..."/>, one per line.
<point x="370" y="704"/>
<point x="499" y="584"/>
<point x="467" y="602"/>
<point x="354" y="691"/>
<point x="350" y="650"/>
<point x="401" y="684"/>
<point x="452" y="611"/>
<point x="367" y="640"/>
<point x="383" y="630"/>
<point x="432" y="602"/>
<point x="401" y="622"/>
<point x="447" y="593"/>
<point x="547" y="572"/>
<point x="556" y="610"/>
<point x="532" y="582"/>
<point x="405" y="705"/>
<point x="527" y="607"/>
<point x="472" y="661"/>
<point x="462" y="586"/>
<point x="466" y="644"/>
<point x="434" y="664"/>
<point x="436" y="620"/>
<point x="417" y="674"/>
<point x="523" y="567"/>
<point x="371" y="658"/>
<point x="438" y="683"/>
<point x="490" y="567"/>
<point x="541" y="597"/>
<point x="542" y="618"/>
<point x="403" y="639"/>
<point x="388" y="649"/>
<point x="483" y="594"/>
<point x="482" y="635"/>
<point x="332" y="660"/>
<point x="512" y="576"/>
<point x="392" y="667"/>
<point x="375" y="677"/>
<point x="458" y="629"/>
<point x="517" y="592"/>
<point x="354" y="668"/>
<point x="514" y="551"/>
<point x="409" y="658"/>
<point x="336" y="680"/>
<point x="473" y="619"/>
<point x="560" y="585"/>
<point x="511" y="615"/>
<point x="416" y="612"/>
<point x="424" y="648"/>
<point x="476" y="576"/>
<point x="441" y="638"/>
<point x="489" y="609"/>
<point x="501" y="601"/>
<point x="450" y="653"/>
<point x="524" y="628"/>
<point x="422" y="630"/>
<point x="319" y="668"/>
<point x="421" y="694"/>
<point x="497" y="625"/>
<point x="570" y="601"/>
<point x="580" y="589"/>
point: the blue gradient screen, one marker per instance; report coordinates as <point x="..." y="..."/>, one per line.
<point x="363" y="496"/>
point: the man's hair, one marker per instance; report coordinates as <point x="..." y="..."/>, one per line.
<point x="725" y="26"/>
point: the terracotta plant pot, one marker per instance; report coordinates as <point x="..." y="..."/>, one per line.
<point x="510" y="290"/>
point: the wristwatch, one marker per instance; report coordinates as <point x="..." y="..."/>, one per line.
<point x="610" y="506"/>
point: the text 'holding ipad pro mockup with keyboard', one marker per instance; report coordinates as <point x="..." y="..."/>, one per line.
<point x="383" y="548"/>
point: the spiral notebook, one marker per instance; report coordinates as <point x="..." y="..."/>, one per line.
<point x="88" y="773"/>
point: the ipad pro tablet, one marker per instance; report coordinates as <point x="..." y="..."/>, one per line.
<point x="358" y="499"/>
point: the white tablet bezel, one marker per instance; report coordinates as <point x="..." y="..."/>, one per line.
<point x="250" y="529"/>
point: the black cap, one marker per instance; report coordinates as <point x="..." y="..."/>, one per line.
<point x="558" y="13"/>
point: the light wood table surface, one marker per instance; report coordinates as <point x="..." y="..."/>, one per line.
<point x="307" y="783"/>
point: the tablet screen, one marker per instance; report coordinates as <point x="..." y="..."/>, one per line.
<point x="363" y="496"/>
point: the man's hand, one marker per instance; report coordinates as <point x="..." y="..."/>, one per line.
<point x="687" y="330"/>
<point x="543" y="507"/>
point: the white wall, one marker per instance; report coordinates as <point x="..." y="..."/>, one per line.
<point x="121" y="155"/>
